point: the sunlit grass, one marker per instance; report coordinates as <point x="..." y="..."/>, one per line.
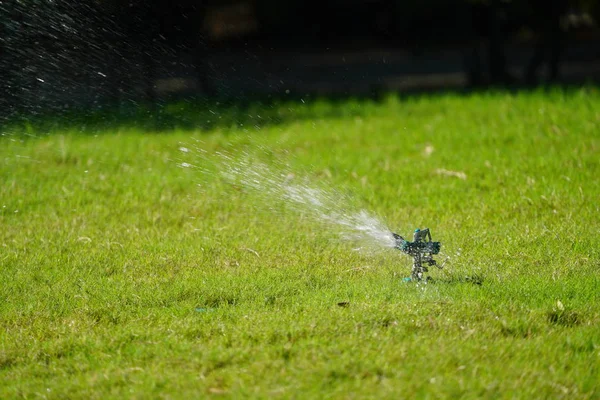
<point x="121" y="276"/>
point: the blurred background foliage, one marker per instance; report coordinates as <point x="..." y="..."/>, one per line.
<point x="60" y="55"/>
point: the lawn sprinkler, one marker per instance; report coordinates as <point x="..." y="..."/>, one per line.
<point x="421" y="249"/>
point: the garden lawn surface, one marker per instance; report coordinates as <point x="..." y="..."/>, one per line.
<point x="125" y="275"/>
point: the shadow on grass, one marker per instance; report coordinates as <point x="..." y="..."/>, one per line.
<point x="475" y="279"/>
<point x="207" y="114"/>
<point x="566" y="318"/>
<point x="197" y="114"/>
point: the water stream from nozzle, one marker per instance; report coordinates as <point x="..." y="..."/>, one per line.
<point x="277" y="183"/>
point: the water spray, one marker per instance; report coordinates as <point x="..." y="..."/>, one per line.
<point x="421" y="249"/>
<point x="274" y="183"/>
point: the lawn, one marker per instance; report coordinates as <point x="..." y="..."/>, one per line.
<point x="126" y="274"/>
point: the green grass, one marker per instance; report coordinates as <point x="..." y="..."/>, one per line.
<point x="120" y="277"/>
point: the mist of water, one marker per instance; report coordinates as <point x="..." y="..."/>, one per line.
<point x="278" y="184"/>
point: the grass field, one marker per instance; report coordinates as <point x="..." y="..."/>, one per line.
<point x="123" y="275"/>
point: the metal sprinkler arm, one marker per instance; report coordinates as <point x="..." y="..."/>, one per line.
<point x="420" y="235"/>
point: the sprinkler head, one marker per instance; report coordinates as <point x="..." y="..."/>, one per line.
<point x="421" y="249"/>
<point x="418" y="246"/>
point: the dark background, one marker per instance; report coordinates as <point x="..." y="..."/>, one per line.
<point x="59" y="55"/>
